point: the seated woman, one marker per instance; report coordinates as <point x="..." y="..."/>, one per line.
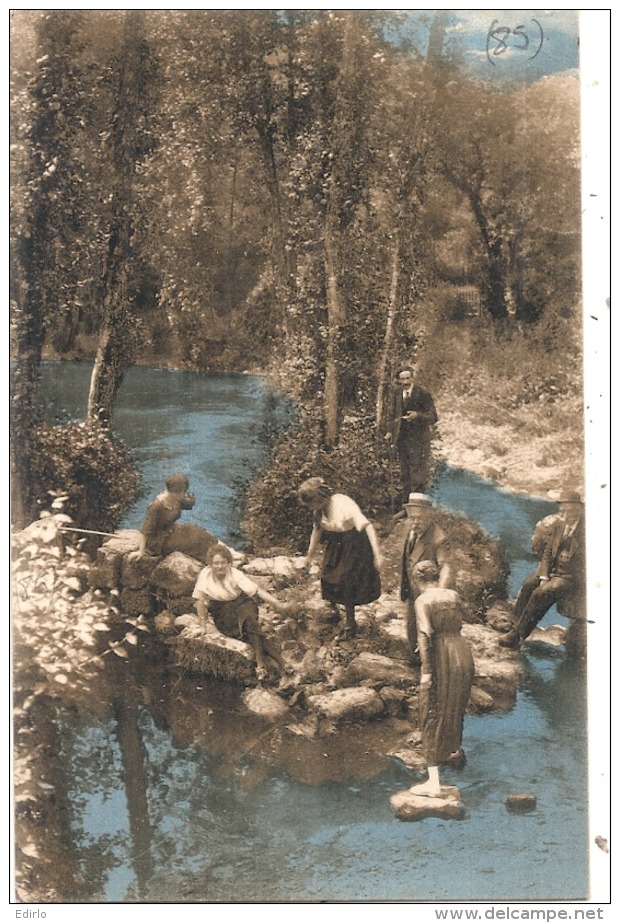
<point x="352" y="559"/>
<point x="226" y="597"/>
<point x="447" y="673"/>
<point x="161" y="535"/>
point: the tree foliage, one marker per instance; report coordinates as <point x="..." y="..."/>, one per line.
<point x="306" y="190"/>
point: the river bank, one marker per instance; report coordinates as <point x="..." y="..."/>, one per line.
<point x="533" y="451"/>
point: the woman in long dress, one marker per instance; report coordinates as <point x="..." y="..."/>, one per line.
<point x="447" y="673"/>
<point x="350" y="571"/>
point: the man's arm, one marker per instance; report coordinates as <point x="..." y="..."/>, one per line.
<point x="446" y="571"/>
<point x="427" y="412"/>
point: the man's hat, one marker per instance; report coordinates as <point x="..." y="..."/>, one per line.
<point x="419" y="500"/>
<point x="570" y="496"/>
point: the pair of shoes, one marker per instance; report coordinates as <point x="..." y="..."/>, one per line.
<point x="511" y="640"/>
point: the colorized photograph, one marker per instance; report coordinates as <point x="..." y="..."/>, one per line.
<point x="299" y="591"/>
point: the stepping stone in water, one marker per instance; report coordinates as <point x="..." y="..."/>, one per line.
<point x="407" y="805"/>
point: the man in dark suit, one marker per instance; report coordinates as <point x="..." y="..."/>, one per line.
<point x="425" y="541"/>
<point x="560" y="574"/>
<point x="412" y="418"/>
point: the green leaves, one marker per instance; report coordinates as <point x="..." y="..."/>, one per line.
<point x="56" y="625"/>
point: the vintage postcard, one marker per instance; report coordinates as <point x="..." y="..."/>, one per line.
<point x="309" y="460"/>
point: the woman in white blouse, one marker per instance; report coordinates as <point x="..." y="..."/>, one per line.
<point x="350" y="571"/>
<point x="226" y="597"/>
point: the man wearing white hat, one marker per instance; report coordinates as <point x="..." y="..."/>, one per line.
<point x="425" y="541"/>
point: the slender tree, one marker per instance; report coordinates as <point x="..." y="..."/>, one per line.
<point x="132" y="139"/>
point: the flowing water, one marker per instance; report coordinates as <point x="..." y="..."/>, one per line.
<point x="175" y="793"/>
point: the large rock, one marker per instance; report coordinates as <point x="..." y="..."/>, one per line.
<point x="408" y="806"/>
<point x="348" y="704"/>
<point x="123" y="542"/>
<point x="497" y="669"/>
<point x="379" y="670"/>
<point x="499" y="679"/>
<point x="201" y="649"/>
<point x="136" y="572"/>
<point x="177" y="574"/>
<point x="549" y="636"/>
<point x="393" y="636"/>
<point x="265" y="703"/>
<point x="105" y="574"/>
<point x="395" y="700"/>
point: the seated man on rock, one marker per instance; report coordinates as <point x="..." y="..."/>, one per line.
<point x="560" y="574"/>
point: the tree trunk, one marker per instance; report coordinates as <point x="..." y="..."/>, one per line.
<point x="336" y="316"/>
<point x="282" y="272"/>
<point x="388" y="339"/>
<point x="118" y="331"/>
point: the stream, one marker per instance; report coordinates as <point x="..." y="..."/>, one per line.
<point x="174" y="792"/>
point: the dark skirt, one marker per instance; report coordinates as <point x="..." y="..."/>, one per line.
<point x="349" y="575"/>
<point x="237" y="618"/>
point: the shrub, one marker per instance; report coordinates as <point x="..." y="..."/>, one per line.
<point x="85" y="463"/>
<point x="357" y="466"/>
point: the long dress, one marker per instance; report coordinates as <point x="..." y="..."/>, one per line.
<point x="444" y="700"/>
<point x="348" y="575"/>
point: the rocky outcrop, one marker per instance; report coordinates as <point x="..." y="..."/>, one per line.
<point x="368" y="678"/>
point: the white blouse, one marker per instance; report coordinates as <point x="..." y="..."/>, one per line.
<point x="342" y="514"/>
<point x="234" y="583"/>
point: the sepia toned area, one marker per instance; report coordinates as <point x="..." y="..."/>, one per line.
<point x="296" y="309"/>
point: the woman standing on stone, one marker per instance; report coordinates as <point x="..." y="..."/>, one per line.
<point x="447" y="673"/>
<point x="227" y="596"/>
<point x="352" y="559"/>
<point x="161" y="534"/>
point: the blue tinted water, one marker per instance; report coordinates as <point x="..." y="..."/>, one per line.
<point x="224" y="827"/>
<point x="210" y="427"/>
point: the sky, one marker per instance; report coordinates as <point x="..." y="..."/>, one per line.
<point x="511" y="45"/>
